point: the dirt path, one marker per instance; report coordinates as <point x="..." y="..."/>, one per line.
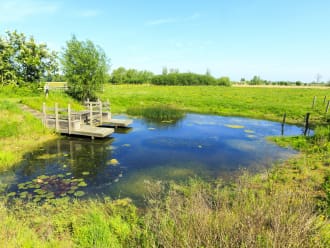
<point x="34" y="112"/>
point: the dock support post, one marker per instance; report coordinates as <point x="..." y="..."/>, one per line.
<point x="90" y="115"/>
<point x="69" y="119"/>
<point x="306" y="123"/>
<point x="44" y="114"/>
<point x="57" y="127"/>
<point x="101" y="112"/>
<point x="109" y="109"/>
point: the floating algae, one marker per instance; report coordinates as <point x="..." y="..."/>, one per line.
<point x="234" y="126"/>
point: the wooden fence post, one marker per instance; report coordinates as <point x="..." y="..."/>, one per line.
<point x="306" y="123"/>
<point x="324" y="99"/>
<point x="283" y="123"/>
<point x="314" y="101"/>
<point x="327" y="108"/>
<point x="57" y="127"/>
<point x="69" y="118"/>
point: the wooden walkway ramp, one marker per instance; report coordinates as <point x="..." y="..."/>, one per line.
<point x="94" y="121"/>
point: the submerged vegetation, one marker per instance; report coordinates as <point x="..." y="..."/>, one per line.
<point x="287" y="206"/>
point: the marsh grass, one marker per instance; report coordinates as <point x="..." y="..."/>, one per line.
<point x="247" y="214"/>
<point x="157" y="113"/>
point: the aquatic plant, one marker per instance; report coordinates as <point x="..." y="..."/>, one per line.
<point x="164" y="113"/>
<point x="46" y="187"/>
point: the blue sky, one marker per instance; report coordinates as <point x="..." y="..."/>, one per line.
<point x="274" y="39"/>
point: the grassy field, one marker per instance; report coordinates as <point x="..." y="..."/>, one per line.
<point x="265" y="103"/>
<point x="287" y="206"/>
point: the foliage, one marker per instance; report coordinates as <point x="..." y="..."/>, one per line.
<point x="85" y="67"/>
<point x="176" y="78"/>
<point x="130" y="76"/>
<point x="23" y="60"/>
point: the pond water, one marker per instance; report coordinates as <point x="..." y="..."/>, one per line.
<point x="198" y="145"/>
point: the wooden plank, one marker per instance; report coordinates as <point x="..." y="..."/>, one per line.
<point x="118" y="122"/>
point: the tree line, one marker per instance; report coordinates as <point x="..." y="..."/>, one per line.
<point x="85" y="67"/>
<point x="173" y="77"/>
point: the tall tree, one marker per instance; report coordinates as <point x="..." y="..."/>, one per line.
<point x="85" y="67"/>
<point x="23" y="60"/>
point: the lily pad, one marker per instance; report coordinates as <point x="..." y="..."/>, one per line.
<point x="79" y="193"/>
<point x="85" y="173"/>
<point x="82" y="184"/>
<point x="248" y="131"/>
<point x="11" y="194"/>
<point x="113" y="162"/>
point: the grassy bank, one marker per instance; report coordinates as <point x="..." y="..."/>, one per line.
<point x="287" y="206"/>
<point x="20" y="131"/>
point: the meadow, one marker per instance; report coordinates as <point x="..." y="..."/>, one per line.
<point x="286" y="206"/>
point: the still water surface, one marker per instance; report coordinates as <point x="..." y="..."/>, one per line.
<point x="198" y="145"/>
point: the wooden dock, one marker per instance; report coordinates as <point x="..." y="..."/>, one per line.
<point x="93" y="121"/>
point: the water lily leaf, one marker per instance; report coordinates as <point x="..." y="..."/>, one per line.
<point x="11" y="194"/>
<point x="113" y="162"/>
<point x="82" y="184"/>
<point x="126" y="145"/>
<point x="116" y="180"/>
<point x="79" y="193"/>
<point x="248" y="131"/>
<point x="85" y="173"/>
<point x="68" y="174"/>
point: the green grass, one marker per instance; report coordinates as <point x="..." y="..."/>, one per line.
<point x="265" y="103"/>
<point x="287" y="206"/>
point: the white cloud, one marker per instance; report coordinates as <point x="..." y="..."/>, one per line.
<point x="19" y="10"/>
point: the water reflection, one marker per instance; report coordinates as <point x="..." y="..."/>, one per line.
<point x="198" y="145"/>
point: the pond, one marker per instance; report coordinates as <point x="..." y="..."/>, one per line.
<point x="198" y="145"/>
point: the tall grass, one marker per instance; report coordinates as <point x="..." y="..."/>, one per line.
<point x="157" y="113"/>
<point x="247" y="214"/>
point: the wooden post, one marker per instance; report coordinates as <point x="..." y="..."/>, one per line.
<point x="90" y="115"/>
<point x="101" y="112"/>
<point x="44" y="114"/>
<point x="314" y="101"/>
<point x="57" y="127"/>
<point x="283" y="123"/>
<point x="109" y="109"/>
<point x="69" y="118"/>
<point x="324" y="99"/>
<point x="306" y="123"/>
<point x="327" y="108"/>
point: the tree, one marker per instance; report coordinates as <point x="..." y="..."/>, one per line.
<point x="85" y="67"/>
<point x="23" y="60"/>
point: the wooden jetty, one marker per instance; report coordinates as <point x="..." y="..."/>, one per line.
<point x="93" y="121"/>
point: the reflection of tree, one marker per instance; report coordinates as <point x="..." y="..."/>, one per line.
<point x="69" y="155"/>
